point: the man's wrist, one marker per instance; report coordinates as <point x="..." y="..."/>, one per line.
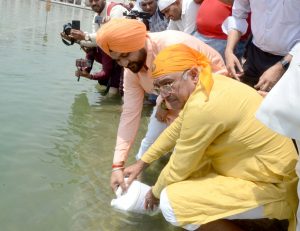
<point x="163" y="105"/>
<point x="142" y="164"/>
<point x="87" y="37"/>
<point x="284" y="64"/>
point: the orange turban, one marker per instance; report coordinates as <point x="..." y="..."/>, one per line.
<point x="121" y="35"/>
<point x="180" y="57"/>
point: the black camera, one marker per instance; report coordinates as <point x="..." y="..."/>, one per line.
<point x="134" y="14"/>
<point x="67" y="30"/>
<point x="142" y="16"/>
<point x="74" y="25"/>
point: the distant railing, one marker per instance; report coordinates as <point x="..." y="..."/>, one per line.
<point x="75" y="3"/>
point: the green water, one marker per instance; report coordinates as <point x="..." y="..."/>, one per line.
<point x="57" y="135"/>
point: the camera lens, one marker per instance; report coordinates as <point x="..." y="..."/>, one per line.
<point x="67" y="28"/>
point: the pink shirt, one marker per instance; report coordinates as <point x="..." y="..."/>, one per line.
<point x="135" y="85"/>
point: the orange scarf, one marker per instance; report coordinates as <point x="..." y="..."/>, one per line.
<point x="179" y="57"/>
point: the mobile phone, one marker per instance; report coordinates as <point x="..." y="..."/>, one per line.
<point x="82" y="63"/>
<point x="98" y="19"/>
<point x="76" y="24"/>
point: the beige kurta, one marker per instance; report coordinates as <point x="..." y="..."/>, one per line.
<point x="225" y="161"/>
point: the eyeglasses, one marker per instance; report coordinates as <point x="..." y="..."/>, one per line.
<point x="168" y="88"/>
<point x="164" y="89"/>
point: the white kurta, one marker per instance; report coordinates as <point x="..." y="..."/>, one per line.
<point x="280" y="110"/>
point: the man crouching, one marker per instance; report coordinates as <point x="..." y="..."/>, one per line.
<point x="225" y="164"/>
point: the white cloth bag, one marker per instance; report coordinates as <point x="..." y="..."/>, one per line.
<point x="133" y="200"/>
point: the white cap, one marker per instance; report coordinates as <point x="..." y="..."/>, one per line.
<point x="163" y="4"/>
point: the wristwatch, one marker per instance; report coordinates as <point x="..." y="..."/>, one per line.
<point x="285" y="64"/>
<point x="87" y="37"/>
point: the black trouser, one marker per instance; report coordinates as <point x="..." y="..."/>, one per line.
<point x="256" y="64"/>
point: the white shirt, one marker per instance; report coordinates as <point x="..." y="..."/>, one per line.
<point x="187" y="23"/>
<point x="275" y="24"/>
<point x="115" y="12"/>
<point x="280" y="110"/>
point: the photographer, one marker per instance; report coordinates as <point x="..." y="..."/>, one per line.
<point x="157" y="21"/>
<point x="111" y="73"/>
<point x="110" y="76"/>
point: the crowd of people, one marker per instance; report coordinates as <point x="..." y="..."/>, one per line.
<point x="210" y="63"/>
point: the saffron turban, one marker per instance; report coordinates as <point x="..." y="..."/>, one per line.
<point x="121" y="35"/>
<point x="180" y="57"/>
<point x="163" y="4"/>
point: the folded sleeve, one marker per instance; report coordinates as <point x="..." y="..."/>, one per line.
<point x="238" y="20"/>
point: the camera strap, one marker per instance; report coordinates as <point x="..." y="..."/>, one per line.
<point x="67" y="43"/>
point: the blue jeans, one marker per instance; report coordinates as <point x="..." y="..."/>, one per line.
<point x="220" y="45"/>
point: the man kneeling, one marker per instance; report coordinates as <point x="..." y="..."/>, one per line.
<point x="225" y="164"/>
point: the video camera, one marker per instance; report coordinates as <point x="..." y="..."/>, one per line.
<point x="134" y="14"/>
<point x="67" y="30"/>
<point x="142" y="16"/>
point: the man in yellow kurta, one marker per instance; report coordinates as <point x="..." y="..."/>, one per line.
<point x="225" y="163"/>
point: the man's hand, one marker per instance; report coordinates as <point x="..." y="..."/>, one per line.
<point x="65" y="36"/>
<point x="270" y="77"/>
<point x="150" y="201"/>
<point x="77" y="35"/>
<point x="161" y="112"/>
<point x="263" y="93"/>
<point x="233" y="65"/>
<point x="134" y="170"/>
<point x="106" y="19"/>
<point x="80" y="73"/>
<point x="116" y="180"/>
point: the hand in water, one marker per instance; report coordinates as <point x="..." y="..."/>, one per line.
<point x="151" y="201"/>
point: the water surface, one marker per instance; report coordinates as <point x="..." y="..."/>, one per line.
<point x="57" y="135"/>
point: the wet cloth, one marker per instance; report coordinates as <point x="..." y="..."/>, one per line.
<point x="225" y="162"/>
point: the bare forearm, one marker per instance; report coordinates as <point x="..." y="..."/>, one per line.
<point x="232" y="39"/>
